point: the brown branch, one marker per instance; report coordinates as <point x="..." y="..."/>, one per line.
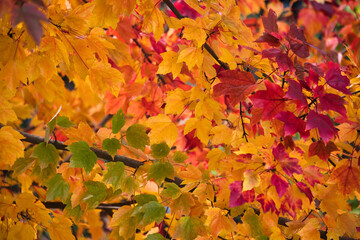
<point x="104" y="121"/>
<point x="206" y="46"/>
<point x="130" y="162"/>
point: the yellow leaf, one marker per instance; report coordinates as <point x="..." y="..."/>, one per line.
<point x="251" y="180"/>
<point x="220" y="223"/>
<point x="11" y="146"/>
<point x="103" y="77"/>
<point x="176" y="101"/>
<point x="162" y="130"/>
<point x="170" y="64"/>
<point x="7" y="114"/>
<point x="22" y="231"/>
<point x="222" y="134"/>
<point x="309" y="232"/>
<point x="60" y="228"/>
<point x="156" y="23"/>
<point x="202" y="126"/>
<point x="194" y="31"/>
<point x="119" y="215"/>
<point x="82" y="133"/>
<point x="228" y="57"/>
<point x="191" y="56"/>
<point x="55" y="50"/>
<point x="13" y="73"/>
<point x="103" y="15"/>
<point x="207" y="107"/>
<point x="214" y="156"/>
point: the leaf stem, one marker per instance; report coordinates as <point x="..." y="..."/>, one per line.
<point x="242" y="123"/>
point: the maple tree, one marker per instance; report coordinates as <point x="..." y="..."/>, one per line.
<point x="187" y="119"/>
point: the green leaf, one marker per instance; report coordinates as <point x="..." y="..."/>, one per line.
<point x="188" y="228"/>
<point x="137" y="137"/>
<point x="45" y="173"/>
<point x="160" y="150"/>
<point x="154" y="211"/>
<point x="111" y="145"/>
<point x="22" y="164"/>
<point x="64" y="122"/>
<point x="57" y="187"/>
<point x="145" y="198"/>
<point x="159" y="171"/>
<point x="95" y="194"/>
<point x="172" y="190"/>
<point x="130" y="186"/>
<point x="254" y="222"/>
<point x="115" y="174"/>
<point x="155" y="236"/>
<point x="118" y="121"/>
<point x="180" y="157"/>
<point x="46" y="154"/>
<point x="82" y="156"/>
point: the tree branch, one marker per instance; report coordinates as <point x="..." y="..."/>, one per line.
<point x="130" y="162"/>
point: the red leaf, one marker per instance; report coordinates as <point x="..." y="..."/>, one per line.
<point x="271" y="52"/>
<point x="266" y="203"/>
<point x="297" y="41"/>
<point x="323" y="152"/>
<point x="336" y="80"/>
<point x="289" y="165"/>
<point x="280" y="184"/>
<point x="285" y="63"/>
<point x="295" y="93"/>
<point x="333" y="102"/>
<point x="269" y="39"/>
<point x="237" y="196"/>
<point x="237" y="84"/>
<point x="269" y="22"/>
<point x="323" y="123"/>
<point x="31" y="16"/>
<point x="305" y="189"/>
<point x="270" y="100"/>
<point x="292" y="124"/>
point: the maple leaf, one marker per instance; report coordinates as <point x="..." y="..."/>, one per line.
<point x="46" y="154"/>
<point x="31" y="16"/>
<point x="323" y="123"/>
<point x="21" y="231"/>
<point x="251" y="180"/>
<point x="115" y="174"/>
<point x="188" y="228"/>
<point x="289" y="165"/>
<point x="238" y="196"/>
<point x="305" y="189"/>
<point x="280" y="184"/>
<point x="323" y="152"/>
<point x="292" y="124"/>
<point x="118" y="121"/>
<point x="170" y="64"/>
<point x="82" y="156"/>
<point x="267" y="203"/>
<point x="202" y="126"/>
<point x="270" y="100"/>
<point x="137" y="137"/>
<point x="336" y="80"/>
<point x="347" y="178"/>
<point x="270" y="35"/>
<point x="13" y="148"/>
<point x="57" y="187"/>
<point x="312" y="175"/>
<point x="295" y="93"/>
<point x="236" y="84"/>
<point x="333" y="102"/>
<point x="60" y="228"/>
<point x="298" y="42"/>
<point x="162" y="130"/>
<point x="159" y="171"/>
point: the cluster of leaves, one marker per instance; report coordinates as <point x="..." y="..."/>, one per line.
<point x="229" y="119"/>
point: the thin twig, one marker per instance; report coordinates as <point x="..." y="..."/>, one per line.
<point x="242" y="123"/>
